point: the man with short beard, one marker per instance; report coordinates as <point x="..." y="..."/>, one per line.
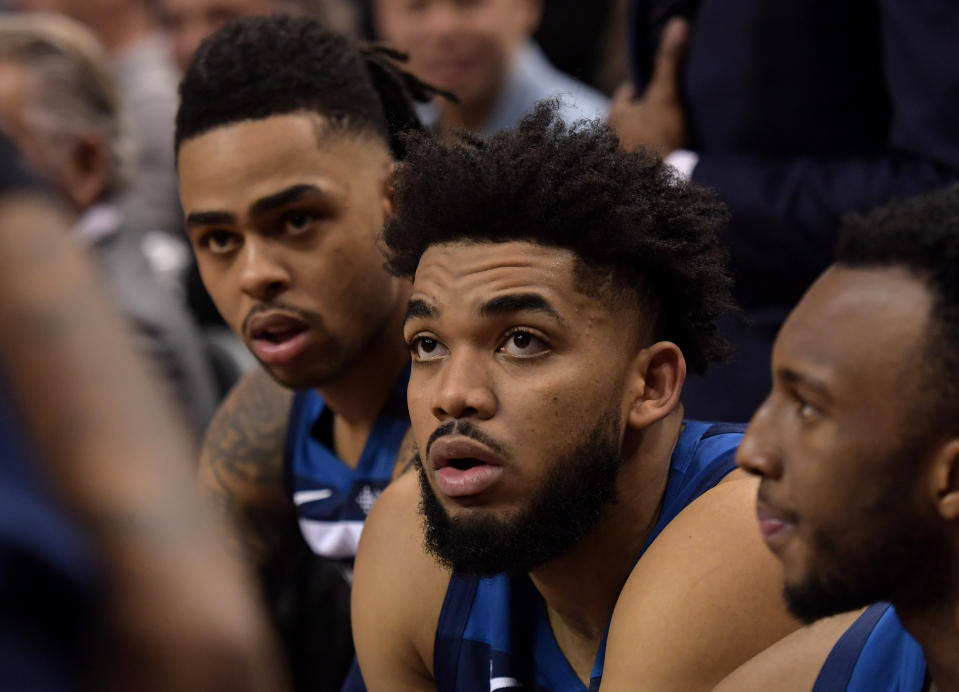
<point x="857" y="446"/>
<point x="561" y="288"/>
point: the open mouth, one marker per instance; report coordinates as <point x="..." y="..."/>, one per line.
<point x="463" y="464"/>
<point x="277" y="338"/>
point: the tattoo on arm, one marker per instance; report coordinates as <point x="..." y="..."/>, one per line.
<point x="242" y="466"/>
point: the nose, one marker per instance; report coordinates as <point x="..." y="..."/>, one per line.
<point x="262" y="276"/>
<point x="463" y="389"/>
<point x="758" y="453"/>
<point x="442" y="20"/>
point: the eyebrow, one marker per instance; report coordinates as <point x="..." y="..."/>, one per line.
<point x="258" y="208"/>
<point x="798" y="379"/>
<point x="209" y="218"/>
<point x="420" y="308"/>
<point x="520" y="302"/>
<point x="284" y="197"/>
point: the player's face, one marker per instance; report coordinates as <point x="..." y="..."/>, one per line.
<point x="839" y="502"/>
<point x="189" y="22"/>
<point x="517" y="383"/>
<point x="463" y="46"/>
<point x="283" y="217"/>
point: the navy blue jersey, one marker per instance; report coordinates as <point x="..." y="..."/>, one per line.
<point x="493" y="633"/>
<point x="876" y="654"/>
<point x="332" y="499"/>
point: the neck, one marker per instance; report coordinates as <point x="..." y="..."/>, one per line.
<point x="936" y="628"/>
<point x="581" y="586"/>
<point x="358" y="395"/>
<point x="466" y="116"/>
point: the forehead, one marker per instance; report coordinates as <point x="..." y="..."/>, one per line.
<point x="465" y="275"/>
<point x="860" y="329"/>
<point x="236" y="7"/>
<point x="234" y="164"/>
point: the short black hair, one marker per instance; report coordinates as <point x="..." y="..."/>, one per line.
<point x="920" y="235"/>
<point x="257" y="67"/>
<point x="624" y="215"/>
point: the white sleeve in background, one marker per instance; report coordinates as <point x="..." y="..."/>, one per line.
<point x="684" y="161"/>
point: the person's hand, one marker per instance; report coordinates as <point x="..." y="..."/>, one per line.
<point x="656" y="119"/>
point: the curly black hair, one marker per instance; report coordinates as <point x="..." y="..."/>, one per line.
<point x="626" y="216"/>
<point x="920" y="235"/>
<point x="256" y="67"/>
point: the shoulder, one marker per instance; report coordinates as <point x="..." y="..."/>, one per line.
<point x="704" y="598"/>
<point x="398" y="593"/>
<point x="794" y="662"/>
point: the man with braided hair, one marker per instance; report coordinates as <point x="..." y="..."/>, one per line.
<point x="285" y="136"/>
<point x="561" y="288"/>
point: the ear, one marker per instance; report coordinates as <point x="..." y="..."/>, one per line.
<point x="945" y="480"/>
<point x="387" y="194"/>
<point x="87" y="170"/>
<point x="656" y="381"/>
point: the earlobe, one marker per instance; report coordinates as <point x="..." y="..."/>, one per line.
<point x="658" y="374"/>
<point x="945" y="477"/>
<point x="388" y="194"/>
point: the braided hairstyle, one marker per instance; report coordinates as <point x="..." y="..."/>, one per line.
<point x="257" y="67"/>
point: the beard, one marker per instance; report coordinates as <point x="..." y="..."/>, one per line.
<point x="570" y="502"/>
<point x="887" y="552"/>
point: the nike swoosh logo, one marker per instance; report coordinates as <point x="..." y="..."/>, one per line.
<point x="304" y="496"/>
<point x="503" y="684"/>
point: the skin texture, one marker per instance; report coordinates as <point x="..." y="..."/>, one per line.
<point x="179" y="613"/>
<point x="462" y="47"/>
<point x="527" y="393"/>
<point x="827" y="440"/>
<point x="188" y="22"/>
<point x="849" y="372"/>
<point x="313" y="255"/>
<point x="655" y="118"/>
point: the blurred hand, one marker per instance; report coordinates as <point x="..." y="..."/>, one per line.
<point x="656" y="119"/>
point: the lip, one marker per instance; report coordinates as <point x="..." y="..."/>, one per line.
<point x="270" y="351"/>
<point x="775" y="526"/>
<point x="462" y="483"/>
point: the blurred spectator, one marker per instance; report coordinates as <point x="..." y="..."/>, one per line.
<point x="188" y="22"/>
<point x="796" y="112"/>
<point x="482" y="52"/>
<point x="58" y="103"/>
<point x="112" y="574"/>
<point x="147" y="79"/>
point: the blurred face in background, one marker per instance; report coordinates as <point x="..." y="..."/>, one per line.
<point x="462" y="46"/>
<point x="188" y="22"/>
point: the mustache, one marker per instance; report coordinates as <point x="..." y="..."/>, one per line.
<point x="305" y="315"/>
<point x="466" y="429"/>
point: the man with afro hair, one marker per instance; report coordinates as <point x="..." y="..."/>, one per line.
<point x="572" y="527"/>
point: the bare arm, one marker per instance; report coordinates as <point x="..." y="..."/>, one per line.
<point x="241" y="467"/>
<point x="180" y="614"/>
<point x="398" y="592"/>
<point x="793" y="663"/>
<point x="705" y="597"/>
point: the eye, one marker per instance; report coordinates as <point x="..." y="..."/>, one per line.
<point x="295" y="222"/>
<point x="521" y="343"/>
<point x="806" y="411"/>
<point x="426" y="348"/>
<point x="219" y="242"/>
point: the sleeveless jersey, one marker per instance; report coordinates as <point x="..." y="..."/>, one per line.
<point x="332" y="500"/>
<point x="876" y="654"/>
<point x="493" y="633"/>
